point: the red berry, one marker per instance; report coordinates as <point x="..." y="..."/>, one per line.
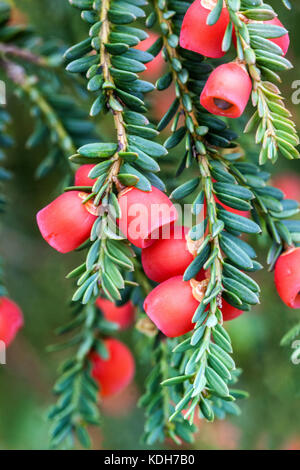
<point x="155" y="67"/>
<point x="82" y="176"/>
<point x="227" y="90"/>
<point x="116" y="372"/>
<point x="289" y="184"/>
<point x="284" y="41"/>
<point x="167" y="257"/>
<point x="66" y="223"/>
<point x="199" y="37"/>
<point x="123" y="316"/>
<point x="11" y="320"/>
<point x="144" y="215"/>
<point x="171" y="307"/>
<point x="287" y="277"/>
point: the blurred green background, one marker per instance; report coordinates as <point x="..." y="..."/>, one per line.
<point x="35" y="279"/>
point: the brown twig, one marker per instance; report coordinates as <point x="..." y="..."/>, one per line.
<point x="117" y="115"/>
<point x="22" y="54"/>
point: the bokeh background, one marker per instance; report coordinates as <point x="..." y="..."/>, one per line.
<point x="35" y="278"/>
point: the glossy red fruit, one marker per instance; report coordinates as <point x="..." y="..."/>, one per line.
<point x="116" y="372"/>
<point x="167" y="257"/>
<point x="227" y="90"/>
<point x="123" y="316"/>
<point x="284" y="41"/>
<point x="229" y="312"/>
<point x="287" y="277"/>
<point x="156" y="66"/>
<point x="82" y="176"/>
<point x="66" y="223"/>
<point x="144" y="215"/>
<point x="199" y="37"/>
<point x="171" y="307"/>
<point x="289" y="184"/>
<point x="11" y="320"/>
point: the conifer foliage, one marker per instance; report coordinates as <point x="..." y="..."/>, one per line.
<point x="193" y="373"/>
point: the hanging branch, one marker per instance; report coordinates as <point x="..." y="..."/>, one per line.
<point x="127" y="162"/>
<point x="275" y="130"/>
<point x="77" y="404"/>
<point x="158" y="400"/>
<point x="264" y="59"/>
<point x="52" y="113"/>
<point x="196" y="372"/>
<point x="110" y="64"/>
<point x="59" y="122"/>
<point x="5" y="143"/>
<point x="207" y="368"/>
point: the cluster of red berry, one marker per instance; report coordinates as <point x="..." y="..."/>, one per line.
<point x="66" y="223"/>
<point x="228" y="88"/>
<point x="172" y="304"/>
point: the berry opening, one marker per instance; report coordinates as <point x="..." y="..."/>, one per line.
<point x="222" y="104"/>
<point x="297" y="300"/>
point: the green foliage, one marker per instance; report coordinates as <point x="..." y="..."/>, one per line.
<point x="120" y="92"/>
<point x="60" y="124"/>
<point x="196" y="373"/>
<point x="5" y="175"/>
<point x="77" y="392"/>
<point x="239" y="185"/>
<point x="158" y="400"/>
<point x="275" y="130"/>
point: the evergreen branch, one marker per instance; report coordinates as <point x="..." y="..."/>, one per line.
<point x="269" y="209"/>
<point x="77" y="392"/>
<point x="121" y="93"/>
<point x="59" y="122"/>
<point x="112" y="73"/>
<point x="5" y="142"/>
<point x="205" y="380"/>
<point x="52" y="120"/>
<point x="28" y="87"/>
<point x="157" y="401"/>
<point x="275" y="130"/>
